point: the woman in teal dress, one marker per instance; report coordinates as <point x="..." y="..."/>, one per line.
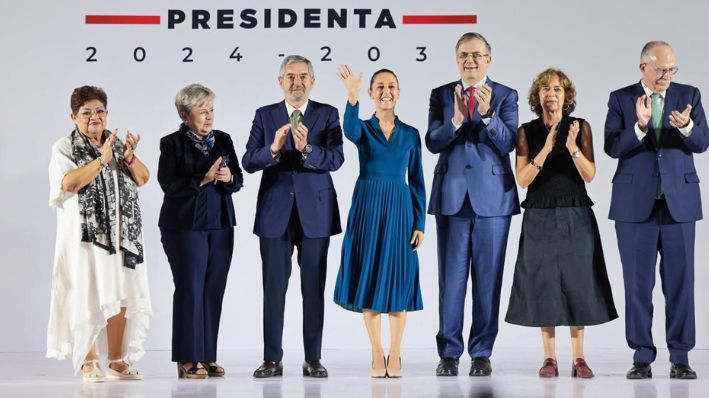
<point x="379" y="270"/>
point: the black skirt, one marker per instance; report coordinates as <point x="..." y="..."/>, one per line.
<point x="560" y="276"/>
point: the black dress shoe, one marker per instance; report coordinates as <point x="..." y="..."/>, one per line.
<point x="447" y="367"/>
<point x="640" y="370"/>
<point x="682" y="371"/>
<point x="480" y="367"/>
<point x="269" y="369"/>
<point x="314" y="369"/>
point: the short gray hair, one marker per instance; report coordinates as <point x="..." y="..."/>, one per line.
<point x="649" y="46"/>
<point x="294" y="59"/>
<point x="191" y="96"/>
<point x="470" y="36"/>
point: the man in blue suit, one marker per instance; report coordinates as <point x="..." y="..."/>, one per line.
<point x="297" y="143"/>
<point x="653" y="127"/>
<point x="472" y="125"/>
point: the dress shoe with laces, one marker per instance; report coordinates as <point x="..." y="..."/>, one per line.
<point x="640" y="370"/>
<point x="682" y="371"/>
<point x="549" y="369"/>
<point x="269" y="369"/>
<point x="480" y="367"/>
<point x="581" y="370"/>
<point x="314" y="369"/>
<point x="447" y="367"/>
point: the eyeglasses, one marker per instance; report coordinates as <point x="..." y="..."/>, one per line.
<point x="664" y="71"/>
<point x="101" y="113"/>
<point x="476" y="56"/>
<point x="292" y="77"/>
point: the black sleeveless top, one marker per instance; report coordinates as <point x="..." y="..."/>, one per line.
<point x="558" y="184"/>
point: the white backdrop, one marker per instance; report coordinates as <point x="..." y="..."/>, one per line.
<point x="43" y="46"/>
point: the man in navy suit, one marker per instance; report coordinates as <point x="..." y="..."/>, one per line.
<point x="472" y="125"/>
<point x="297" y="143"/>
<point x="653" y="128"/>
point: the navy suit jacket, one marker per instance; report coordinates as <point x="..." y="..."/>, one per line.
<point x="474" y="158"/>
<point x="292" y="179"/>
<point x="180" y="171"/>
<point x="640" y="163"/>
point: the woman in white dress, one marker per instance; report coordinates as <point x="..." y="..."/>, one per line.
<point x="99" y="283"/>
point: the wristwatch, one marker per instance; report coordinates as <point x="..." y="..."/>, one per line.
<point x="576" y="154"/>
<point x="306" y="151"/>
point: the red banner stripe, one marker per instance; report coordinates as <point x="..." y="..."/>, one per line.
<point x="439" y="19"/>
<point x="123" y="19"/>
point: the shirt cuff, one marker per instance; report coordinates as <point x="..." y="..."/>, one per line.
<point x="486" y="120"/>
<point x="687" y="130"/>
<point x="456" y="125"/>
<point x="639" y="133"/>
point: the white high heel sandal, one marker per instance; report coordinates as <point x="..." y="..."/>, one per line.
<point x="130" y="373"/>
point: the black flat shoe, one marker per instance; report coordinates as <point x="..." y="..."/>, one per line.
<point x="682" y="371"/>
<point x="480" y="367"/>
<point x="639" y="371"/>
<point x="447" y="367"/>
<point x="269" y="369"/>
<point x="314" y="369"/>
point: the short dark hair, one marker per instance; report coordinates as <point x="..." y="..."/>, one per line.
<point x="543" y="79"/>
<point x="380" y="71"/>
<point x="470" y="36"/>
<point x="84" y="94"/>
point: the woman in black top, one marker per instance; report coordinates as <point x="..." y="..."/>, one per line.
<point x="198" y="172"/>
<point x="560" y="276"/>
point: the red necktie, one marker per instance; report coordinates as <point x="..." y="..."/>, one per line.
<point x="471" y="101"/>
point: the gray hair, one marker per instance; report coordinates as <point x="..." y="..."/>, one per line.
<point x="645" y="55"/>
<point x="294" y="59"/>
<point x="191" y="96"/>
<point x="470" y="36"/>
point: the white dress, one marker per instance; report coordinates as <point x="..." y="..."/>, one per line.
<point x="89" y="285"/>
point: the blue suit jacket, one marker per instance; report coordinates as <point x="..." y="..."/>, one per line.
<point x="307" y="183"/>
<point x="640" y="163"/>
<point x="474" y="158"/>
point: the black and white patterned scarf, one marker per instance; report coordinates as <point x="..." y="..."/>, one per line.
<point x="97" y="203"/>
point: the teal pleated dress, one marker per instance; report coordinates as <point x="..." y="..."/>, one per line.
<point x="379" y="269"/>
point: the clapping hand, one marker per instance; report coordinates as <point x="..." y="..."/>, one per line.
<point x="460" y="108"/>
<point x="571" y="138"/>
<point x="107" y="147"/>
<point x="483" y="96"/>
<point x="131" y="143"/>
<point x="643" y="109"/>
<point x="551" y="138"/>
<point x="679" y="120"/>
<point x="279" y="138"/>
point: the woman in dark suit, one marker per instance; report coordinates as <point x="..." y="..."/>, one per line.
<point x="198" y="171"/>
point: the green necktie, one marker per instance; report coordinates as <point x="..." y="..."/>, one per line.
<point x="657" y="126"/>
<point x="657" y="114"/>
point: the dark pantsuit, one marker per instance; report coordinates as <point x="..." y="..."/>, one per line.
<point x="276" y="254"/>
<point x="639" y="244"/>
<point x="200" y="263"/>
<point x="469" y="244"/>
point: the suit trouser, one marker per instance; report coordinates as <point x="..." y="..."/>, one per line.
<point x="639" y="244"/>
<point x="469" y="244"/>
<point x="276" y="254"/>
<point x="200" y="263"/>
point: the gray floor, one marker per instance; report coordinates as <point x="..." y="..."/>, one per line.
<point x="514" y="375"/>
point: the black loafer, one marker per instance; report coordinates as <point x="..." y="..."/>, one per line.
<point x="447" y="367"/>
<point x="314" y="369"/>
<point x="480" y="367"/>
<point x="269" y="369"/>
<point x="682" y="371"/>
<point x="640" y="370"/>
